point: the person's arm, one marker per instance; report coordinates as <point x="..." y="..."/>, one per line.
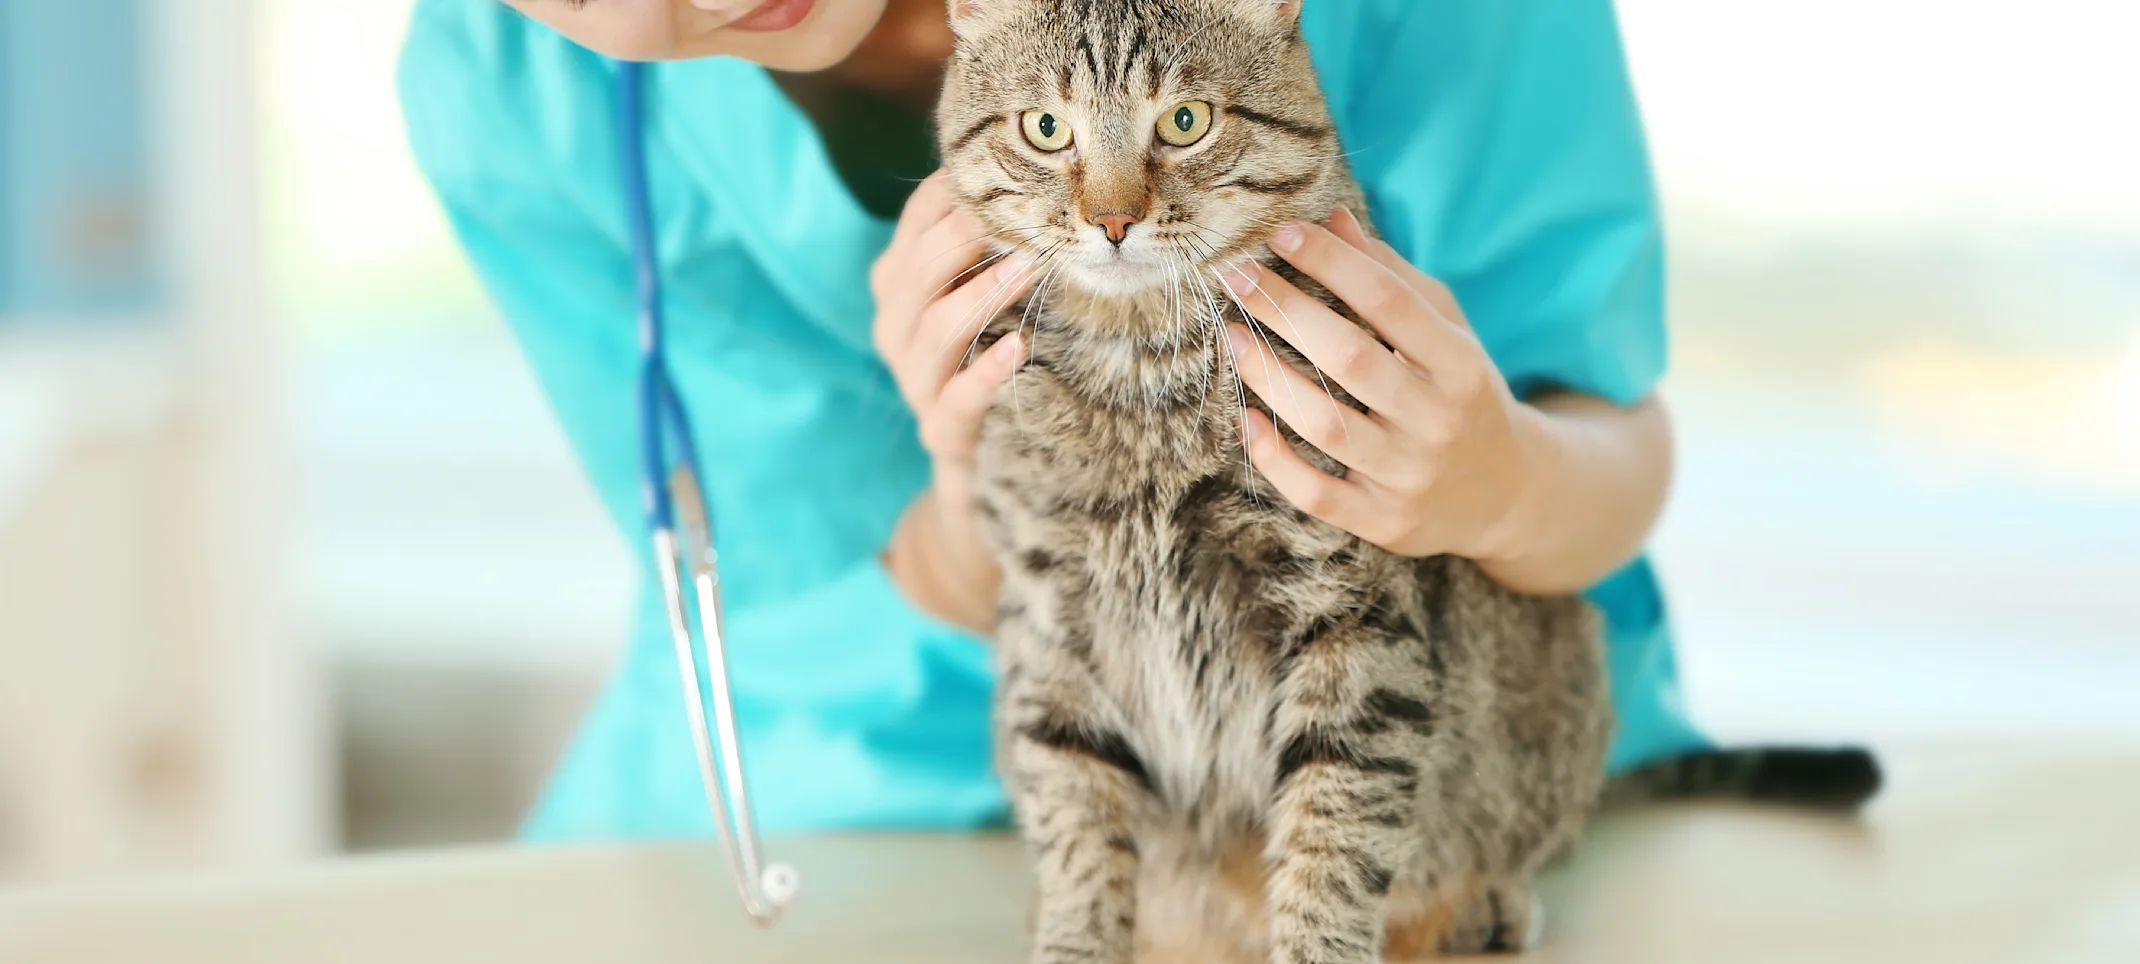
<point x="942" y="564"/>
<point x="1604" y="474"/>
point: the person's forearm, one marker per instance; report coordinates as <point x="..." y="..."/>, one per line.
<point x="942" y="565"/>
<point x="1603" y="475"/>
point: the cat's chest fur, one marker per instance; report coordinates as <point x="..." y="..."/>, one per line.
<point x="1164" y="572"/>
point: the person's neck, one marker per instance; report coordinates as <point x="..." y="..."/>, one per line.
<point x="903" y="56"/>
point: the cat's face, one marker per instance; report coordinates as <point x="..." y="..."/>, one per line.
<point x="1130" y="143"/>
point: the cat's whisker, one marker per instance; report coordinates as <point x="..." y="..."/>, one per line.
<point x="1266" y="222"/>
<point x="1040" y="293"/>
<point x="991" y="304"/>
<point x="1255" y="330"/>
<point x="954" y="249"/>
<point x="1207" y="352"/>
<point x="1049" y="266"/>
<point x="1317" y="369"/>
<point x="1173" y="325"/>
<point x="1343" y="427"/>
<point x="1201" y="226"/>
<point x="1240" y="393"/>
<point x="1185" y="271"/>
<point x="1215" y="323"/>
<point x="1193" y="224"/>
<point x="1210" y="362"/>
<point x="979" y="312"/>
<point x="969" y="273"/>
<point x="1177" y="322"/>
<point x="1045" y="266"/>
<point x="1216" y="343"/>
<point x="1210" y="251"/>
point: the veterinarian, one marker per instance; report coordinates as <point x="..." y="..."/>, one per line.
<point x="806" y="287"/>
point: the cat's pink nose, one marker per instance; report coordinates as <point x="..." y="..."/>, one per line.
<point x="1117" y="224"/>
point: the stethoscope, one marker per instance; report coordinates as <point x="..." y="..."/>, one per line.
<point x="681" y="527"/>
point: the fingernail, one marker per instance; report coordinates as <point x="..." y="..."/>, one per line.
<point x="1248" y="430"/>
<point x="1287" y="239"/>
<point x="1012" y="266"/>
<point x="1237" y="336"/>
<point x="1010" y="353"/>
<point x="1241" y="278"/>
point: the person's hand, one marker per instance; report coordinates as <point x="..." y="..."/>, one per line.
<point x="934" y="294"/>
<point x="1444" y="460"/>
<point x="933" y="297"/>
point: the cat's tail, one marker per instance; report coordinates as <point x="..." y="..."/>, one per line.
<point x="1840" y="779"/>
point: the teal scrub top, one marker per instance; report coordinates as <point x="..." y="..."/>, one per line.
<point x="1499" y="144"/>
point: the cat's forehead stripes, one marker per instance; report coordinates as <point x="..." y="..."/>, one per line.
<point x="1111" y="55"/>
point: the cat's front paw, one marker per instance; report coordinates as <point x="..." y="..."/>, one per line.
<point x="1497" y="920"/>
<point x="1075" y="954"/>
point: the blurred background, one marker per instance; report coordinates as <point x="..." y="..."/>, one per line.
<point x="292" y="559"/>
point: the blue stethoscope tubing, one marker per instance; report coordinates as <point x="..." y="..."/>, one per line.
<point x="679" y="524"/>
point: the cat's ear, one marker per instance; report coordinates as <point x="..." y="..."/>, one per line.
<point x="965" y="13"/>
<point x="1284" y="12"/>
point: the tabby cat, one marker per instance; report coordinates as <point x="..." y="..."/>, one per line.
<point x="1230" y="731"/>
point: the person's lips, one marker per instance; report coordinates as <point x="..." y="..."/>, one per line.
<point x="773" y="15"/>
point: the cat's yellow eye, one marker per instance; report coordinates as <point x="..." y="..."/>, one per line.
<point x="1047" y="131"/>
<point x="1185" y="123"/>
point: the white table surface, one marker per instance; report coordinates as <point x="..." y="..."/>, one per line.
<point x="1971" y="856"/>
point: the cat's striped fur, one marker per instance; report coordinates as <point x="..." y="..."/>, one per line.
<point x="1231" y="732"/>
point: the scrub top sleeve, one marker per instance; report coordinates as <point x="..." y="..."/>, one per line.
<point x="1502" y="151"/>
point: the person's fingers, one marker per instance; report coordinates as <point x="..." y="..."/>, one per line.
<point x="949" y="324"/>
<point x="952" y="428"/>
<point x="1339" y="502"/>
<point x="1398" y="311"/>
<point x="907" y="287"/>
<point x="1343" y="433"/>
<point x="942" y="257"/>
<point x="1346" y="225"/>
<point x="897" y="304"/>
<point x="1337" y="347"/>
<point x="927" y="205"/>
